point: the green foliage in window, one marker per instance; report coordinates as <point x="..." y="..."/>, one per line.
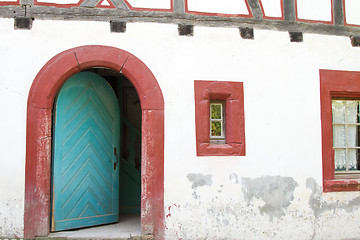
<point x="216" y="111"/>
<point x="216" y="129"/>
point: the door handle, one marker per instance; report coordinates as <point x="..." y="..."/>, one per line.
<point x="117" y="158"/>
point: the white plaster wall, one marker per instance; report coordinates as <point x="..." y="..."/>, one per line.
<point x="283" y="137"/>
<point x="105" y="3"/>
<point x="13" y="96"/>
<point x="59" y="2"/>
<point x="272" y="8"/>
<point x="159" y="4"/>
<point x="314" y="9"/>
<point x="282" y="125"/>
<point x="213" y="6"/>
<point x="352" y="8"/>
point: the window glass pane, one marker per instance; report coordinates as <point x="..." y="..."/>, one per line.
<point x="340" y="160"/>
<point x="352" y="159"/>
<point x="338" y="111"/>
<point x="215" y="129"/>
<point x="346" y="134"/>
<point x="339" y="136"/>
<point x="352" y="136"/>
<point x="216" y="111"/>
<point x="352" y="112"/>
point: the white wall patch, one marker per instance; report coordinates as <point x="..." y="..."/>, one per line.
<point x="214" y="6"/>
<point x="157" y="4"/>
<point x="272" y="8"/>
<point x="59" y="1"/>
<point x="105" y="3"/>
<point x="318" y="10"/>
<point x="352" y="8"/>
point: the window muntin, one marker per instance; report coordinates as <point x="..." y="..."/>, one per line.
<point x="346" y="136"/>
<point x="217" y="121"/>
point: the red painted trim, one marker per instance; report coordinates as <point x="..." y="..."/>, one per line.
<point x="341" y="185"/>
<point x="335" y="84"/>
<point x="233" y="95"/>
<point x="314" y="21"/>
<point x="344" y="12"/>
<point x="151" y="9"/>
<point x="59" y="5"/>
<point x="352" y="25"/>
<point x="9" y="3"/>
<point x="109" y="1"/>
<point x="273" y="18"/>
<point x="219" y="14"/>
<point x="38" y="134"/>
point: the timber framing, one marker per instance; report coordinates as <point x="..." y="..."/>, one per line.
<point x="178" y="16"/>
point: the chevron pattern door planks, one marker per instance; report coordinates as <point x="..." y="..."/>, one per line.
<point x="85" y="153"/>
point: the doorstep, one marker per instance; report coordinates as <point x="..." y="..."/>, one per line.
<point x="128" y="228"/>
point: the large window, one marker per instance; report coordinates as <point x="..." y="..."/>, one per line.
<point x="346" y="141"/>
<point x="340" y="125"/>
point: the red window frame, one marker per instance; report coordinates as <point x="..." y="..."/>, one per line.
<point x="335" y="84"/>
<point x="232" y="93"/>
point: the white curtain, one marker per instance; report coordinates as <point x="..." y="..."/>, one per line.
<point x="345" y="136"/>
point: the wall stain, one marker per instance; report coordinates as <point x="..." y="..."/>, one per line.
<point x="199" y="180"/>
<point x="318" y="205"/>
<point x="277" y="193"/>
<point x="195" y="195"/>
<point x="234" y="178"/>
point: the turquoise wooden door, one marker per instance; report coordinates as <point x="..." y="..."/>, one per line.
<point x="85" y="153"/>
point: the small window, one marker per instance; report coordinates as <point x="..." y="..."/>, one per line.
<point x="346" y="141"/>
<point x="219" y="118"/>
<point x="217" y="122"/>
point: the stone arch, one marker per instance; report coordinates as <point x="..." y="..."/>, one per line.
<point x="39" y="123"/>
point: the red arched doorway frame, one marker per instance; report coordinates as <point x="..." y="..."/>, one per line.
<point x="38" y="134"/>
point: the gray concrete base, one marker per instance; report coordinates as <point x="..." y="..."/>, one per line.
<point x="129" y="227"/>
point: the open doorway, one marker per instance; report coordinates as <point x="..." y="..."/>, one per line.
<point x="96" y="153"/>
<point x="43" y="91"/>
<point x="130" y="162"/>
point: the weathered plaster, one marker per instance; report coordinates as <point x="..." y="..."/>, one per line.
<point x="269" y="207"/>
<point x="12" y="103"/>
<point x="319" y="204"/>
<point x="199" y="180"/>
<point x="11" y="213"/>
<point x="276" y="192"/>
<point x="234" y="178"/>
<point x="333" y="212"/>
<point x="223" y="211"/>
